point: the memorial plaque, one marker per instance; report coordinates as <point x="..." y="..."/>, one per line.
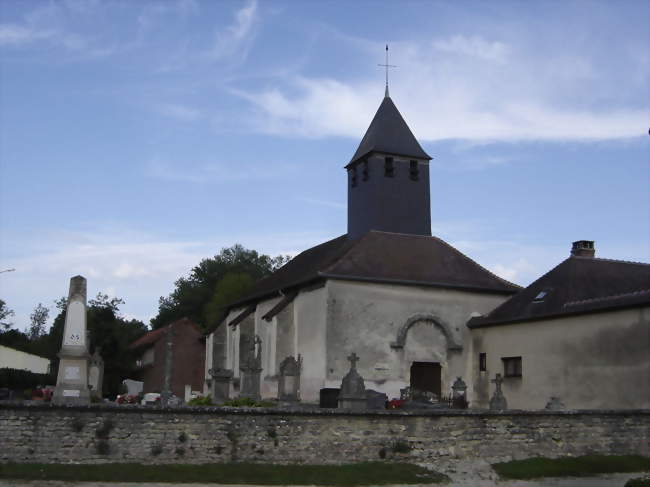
<point x="72" y="373"/>
<point x="71" y="393"/>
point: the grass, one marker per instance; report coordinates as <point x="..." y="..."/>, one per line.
<point x="585" y="466"/>
<point x="375" y="473"/>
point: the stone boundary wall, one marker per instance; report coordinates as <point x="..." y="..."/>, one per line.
<point x="101" y="434"/>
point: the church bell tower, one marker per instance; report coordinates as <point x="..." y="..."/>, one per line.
<point x="388" y="178"/>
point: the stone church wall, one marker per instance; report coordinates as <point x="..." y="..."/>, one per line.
<point x="596" y="360"/>
<point x="370" y="319"/>
<point x="99" y="434"/>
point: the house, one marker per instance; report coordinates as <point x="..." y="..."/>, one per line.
<point x="185" y="357"/>
<point x="581" y="332"/>
<point x="16" y="359"/>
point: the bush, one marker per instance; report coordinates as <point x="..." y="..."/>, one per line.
<point x="200" y="401"/>
<point x="638" y="482"/>
<point x="17" y="379"/>
<point x="247" y="402"/>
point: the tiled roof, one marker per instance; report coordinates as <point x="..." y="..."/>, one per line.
<point x="382" y="257"/>
<point x="577" y="285"/>
<point x="153" y="336"/>
<point x="389" y="133"/>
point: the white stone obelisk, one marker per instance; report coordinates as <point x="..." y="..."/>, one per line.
<point x="72" y="379"/>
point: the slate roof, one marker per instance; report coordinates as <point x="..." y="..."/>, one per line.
<point x="381" y="257"/>
<point x="577" y="285"/>
<point x="389" y="133"/>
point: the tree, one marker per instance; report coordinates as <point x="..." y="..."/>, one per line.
<point x="5" y="313"/>
<point x="192" y="295"/>
<point x="106" y="329"/>
<point x="233" y="286"/>
<point x="38" y="319"/>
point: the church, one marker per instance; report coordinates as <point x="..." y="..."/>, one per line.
<point x="419" y="313"/>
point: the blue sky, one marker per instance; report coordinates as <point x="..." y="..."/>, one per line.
<point x="138" y="137"/>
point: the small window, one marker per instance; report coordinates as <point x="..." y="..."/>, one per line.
<point x="511" y="366"/>
<point x="364" y="175"/>
<point x="482" y="362"/>
<point x="353" y="177"/>
<point x="540" y="297"/>
<point x="414" y="171"/>
<point x="389" y="168"/>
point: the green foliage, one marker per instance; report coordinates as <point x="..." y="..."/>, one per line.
<point x="247" y="402"/>
<point x="18" y="379"/>
<point x="197" y="296"/>
<point x="5" y="313"/>
<point x="369" y="473"/>
<point x="38" y="319"/>
<point x="200" y="401"/>
<point x="584" y="466"/>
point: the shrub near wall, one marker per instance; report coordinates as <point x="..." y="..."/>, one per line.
<point x="98" y="434"/>
<point x="17" y="379"/>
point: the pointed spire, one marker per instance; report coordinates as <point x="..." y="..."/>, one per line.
<point x="389" y="133"/>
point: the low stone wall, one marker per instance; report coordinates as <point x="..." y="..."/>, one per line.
<point x="100" y="434"/>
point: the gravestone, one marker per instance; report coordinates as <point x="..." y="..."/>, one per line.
<point x="289" y="381"/>
<point x="329" y="397"/>
<point x="220" y="386"/>
<point x="375" y="399"/>
<point x="459" y="394"/>
<point x="498" y="401"/>
<point x="96" y="373"/>
<point x="251" y="367"/>
<point x="133" y="387"/>
<point x="166" y="394"/>
<point x="72" y="379"/>
<point x="353" y="389"/>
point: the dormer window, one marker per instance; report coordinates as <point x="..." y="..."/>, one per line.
<point x="389" y="167"/>
<point x="353" y="177"/>
<point x="364" y="174"/>
<point x="540" y="297"/>
<point x="414" y="170"/>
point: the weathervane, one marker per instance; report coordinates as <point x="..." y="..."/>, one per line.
<point x="387" y="66"/>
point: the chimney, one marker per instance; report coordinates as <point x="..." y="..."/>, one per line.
<point x="583" y="248"/>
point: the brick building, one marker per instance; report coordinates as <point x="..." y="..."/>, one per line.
<point x="188" y="357"/>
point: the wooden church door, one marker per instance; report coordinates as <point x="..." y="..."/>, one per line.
<point x="426" y="376"/>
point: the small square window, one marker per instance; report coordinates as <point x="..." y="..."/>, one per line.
<point x="389" y="167"/>
<point x="364" y="174"/>
<point x="353" y="177"/>
<point x="414" y="171"/>
<point x="511" y="366"/>
<point x="540" y="297"/>
<point x="482" y="362"/>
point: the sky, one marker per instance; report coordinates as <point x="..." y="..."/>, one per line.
<point x="137" y="138"/>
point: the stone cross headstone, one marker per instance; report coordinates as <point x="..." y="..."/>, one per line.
<point x="353" y="389"/>
<point x="166" y="394"/>
<point x="289" y="380"/>
<point x="72" y="379"/>
<point x="96" y="373"/>
<point x="498" y="400"/>
<point x="251" y="369"/>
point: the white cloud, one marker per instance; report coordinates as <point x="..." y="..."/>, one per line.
<point x="442" y="96"/>
<point x="236" y="40"/>
<point x="473" y="46"/>
<point x="11" y="34"/>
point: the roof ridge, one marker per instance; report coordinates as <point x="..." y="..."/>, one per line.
<point x="620" y="261"/>
<point x="605" y="298"/>
<point x="477" y="264"/>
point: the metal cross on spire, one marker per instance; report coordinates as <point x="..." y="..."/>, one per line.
<point x="387" y="66"/>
